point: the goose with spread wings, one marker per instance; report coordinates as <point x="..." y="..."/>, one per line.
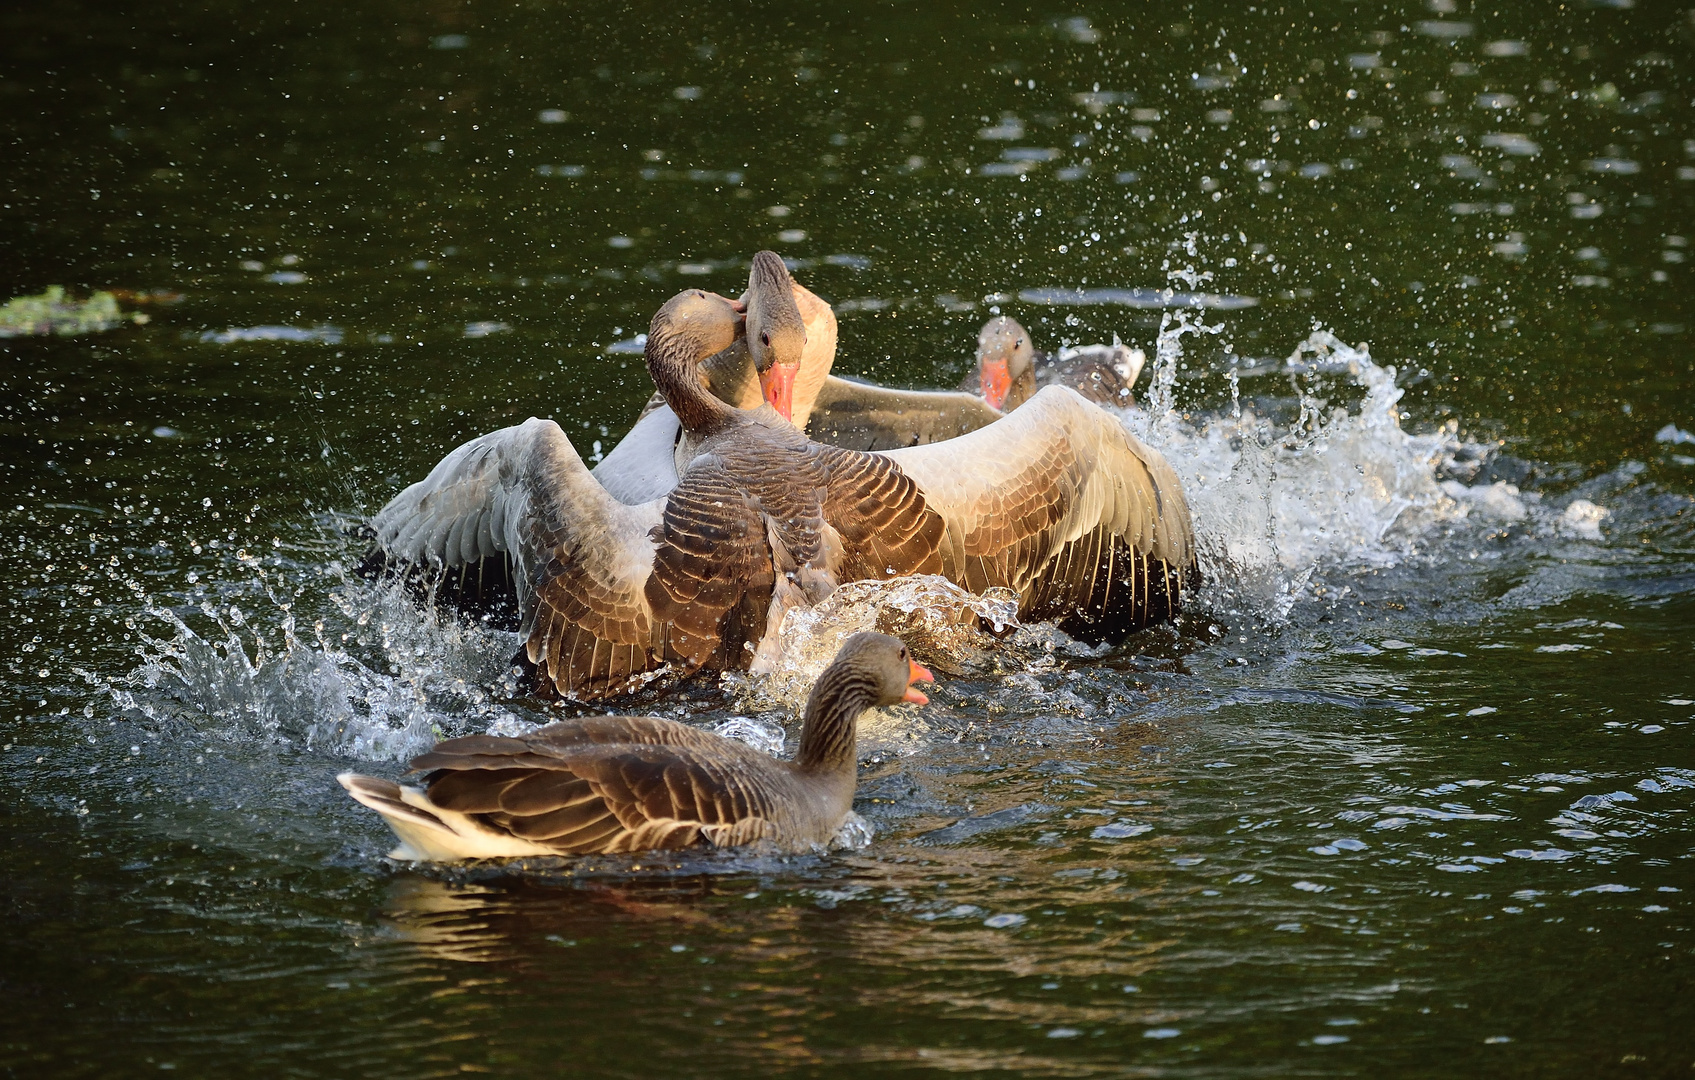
<point x="1056" y="500"/>
<point x="611" y="596"/>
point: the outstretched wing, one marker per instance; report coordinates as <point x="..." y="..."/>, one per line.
<point x="1059" y="502"/>
<point x="643" y="466"/>
<point x="887" y="527"/>
<point x="605" y="784"/>
<point x="465" y="526"/>
<point x="579" y="559"/>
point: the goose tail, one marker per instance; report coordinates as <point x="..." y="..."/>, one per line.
<point x="429" y="833"/>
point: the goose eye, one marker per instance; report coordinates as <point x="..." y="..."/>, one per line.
<point x="1018" y="344"/>
<point x="765" y="339"/>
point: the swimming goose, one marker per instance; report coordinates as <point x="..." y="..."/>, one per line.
<point x="1009" y="370"/>
<point x="611" y="596"/>
<point x="634" y="783"/>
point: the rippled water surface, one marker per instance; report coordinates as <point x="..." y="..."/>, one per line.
<point x="1407" y="792"/>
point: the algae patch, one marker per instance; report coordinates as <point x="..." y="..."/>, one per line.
<point x="52" y="312"/>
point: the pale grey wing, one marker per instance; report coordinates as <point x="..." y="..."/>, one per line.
<point x="1060" y="503"/>
<point x="589" y="628"/>
<point x="522" y="495"/>
<point x="642" y="467"/>
<point x="860" y="416"/>
<point x="816" y="357"/>
<point x="469" y="517"/>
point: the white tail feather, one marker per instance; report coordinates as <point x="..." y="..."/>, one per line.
<point x="429" y="833"/>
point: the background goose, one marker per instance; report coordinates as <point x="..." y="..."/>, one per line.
<point x="1009" y="369"/>
<point x="634" y="783"/>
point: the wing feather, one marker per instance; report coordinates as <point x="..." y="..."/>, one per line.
<point x="887" y="527"/>
<point x="608" y="783"/>
<point x="711" y="552"/>
<point x="575" y="559"/>
<point x="1058" y="501"/>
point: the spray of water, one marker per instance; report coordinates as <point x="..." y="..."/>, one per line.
<point x="383" y="682"/>
<point x="1273" y="503"/>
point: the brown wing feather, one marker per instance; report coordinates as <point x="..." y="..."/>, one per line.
<point x="607" y="783"/>
<point x="664" y="799"/>
<point x="712" y="553"/>
<point x="887" y="528"/>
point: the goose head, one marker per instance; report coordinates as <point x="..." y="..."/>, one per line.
<point x="776" y="335"/>
<point x="881" y="667"/>
<point x="1005" y="358"/>
<point x="699" y="323"/>
<point x="689" y="328"/>
<point x="870" y="670"/>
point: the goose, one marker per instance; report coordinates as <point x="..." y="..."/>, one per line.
<point x="605" y="784"/>
<point x="1009" y="370"/>
<point x="611" y="597"/>
<point x="1056" y="501"/>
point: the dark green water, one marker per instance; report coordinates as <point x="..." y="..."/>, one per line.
<point x="1423" y="810"/>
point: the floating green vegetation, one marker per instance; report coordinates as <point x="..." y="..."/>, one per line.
<point x="52" y="312"/>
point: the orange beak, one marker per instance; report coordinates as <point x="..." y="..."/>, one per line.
<point x="996" y="380"/>
<point x="919" y="673"/>
<point x="778" y="385"/>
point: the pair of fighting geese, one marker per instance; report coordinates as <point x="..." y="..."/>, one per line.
<point x="754" y="483"/>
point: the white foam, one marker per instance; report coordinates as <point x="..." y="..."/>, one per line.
<point x="1583" y="518"/>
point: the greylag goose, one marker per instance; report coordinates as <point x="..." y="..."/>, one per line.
<point x="1010" y="370"/>
<point x="634" y="783"/>
<point x="612" y="596"/>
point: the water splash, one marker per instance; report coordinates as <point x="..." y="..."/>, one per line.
<point x="947" y="627"/>
<point x="1274" y="503"/>
<point x="765" y="737"/>
<point x="385" y="686"/>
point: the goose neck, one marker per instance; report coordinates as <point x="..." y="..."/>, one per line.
<point x="830" y="734"/>
<point x="673" y="361"/>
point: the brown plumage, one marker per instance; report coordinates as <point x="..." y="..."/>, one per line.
<point x="1057" y="502"/>
<point x="635" y="783"/>
<point x="1009" y="370"/>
